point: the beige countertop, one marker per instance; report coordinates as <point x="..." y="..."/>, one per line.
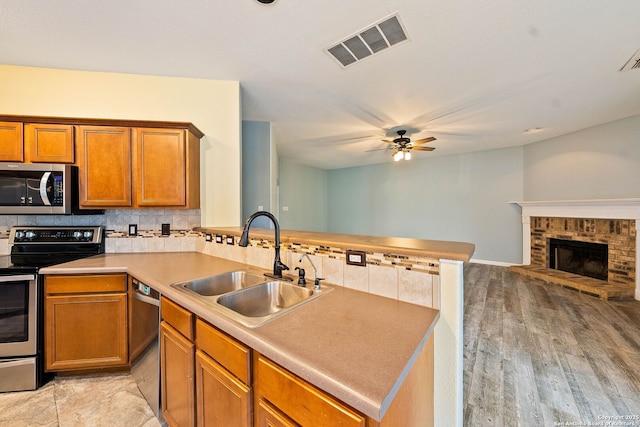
<point x="437" y="249"/>
<point x="356" y="346"/>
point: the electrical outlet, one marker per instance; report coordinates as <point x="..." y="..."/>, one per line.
<point x="133" y="229"/>
<point x="166" y="229"/>
<point x="356" y="258"/>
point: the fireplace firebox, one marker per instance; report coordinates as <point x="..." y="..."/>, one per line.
<point x="583" y="258"/>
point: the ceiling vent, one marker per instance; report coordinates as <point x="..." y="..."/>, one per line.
<point x="374" y="39"/>
<point x="633" y="63"/>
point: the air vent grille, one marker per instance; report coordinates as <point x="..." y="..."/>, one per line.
<point x="633" y="63"/>
<point x="374" y="39"/>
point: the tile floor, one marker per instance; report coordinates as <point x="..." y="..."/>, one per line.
<point x="95" y="401"/>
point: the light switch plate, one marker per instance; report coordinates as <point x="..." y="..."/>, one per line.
<point x="356" y="258"/>
<point x="230" y="240"/>
<point x="208" y="237"/>
<point x="219" y="238"/>
<point x="133" y="229"/>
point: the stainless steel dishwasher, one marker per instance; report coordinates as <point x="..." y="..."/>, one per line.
<point x="145" y="343"/>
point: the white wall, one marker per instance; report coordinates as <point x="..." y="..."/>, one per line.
<point x="602" y="162"/>
<point x="213" y="106"/>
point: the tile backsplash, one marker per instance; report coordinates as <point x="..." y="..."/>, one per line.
<point x="405" y="278"/>
<point x="116" y="223"/>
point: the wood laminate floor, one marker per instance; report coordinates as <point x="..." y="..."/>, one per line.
<point x="537" y="354"/>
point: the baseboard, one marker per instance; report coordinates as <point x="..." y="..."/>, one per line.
<point x="496" y="263"/>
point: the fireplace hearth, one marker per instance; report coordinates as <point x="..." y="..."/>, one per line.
<point x="582" y="258"/>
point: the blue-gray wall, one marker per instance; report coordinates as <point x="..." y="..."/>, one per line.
<point x="459" y="198"/>
<point x="466" y="197"/>
<point x="303" y="197"/>
<point x="601" y="162"/>
<point x="256" y="171"/>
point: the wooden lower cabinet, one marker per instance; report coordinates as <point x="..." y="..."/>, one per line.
<point x="210" y="379"/>
<point x="299" y="401"/>
<point x="177" y="367"/>
<point x="221" y="399"/>
<point x="205" y="374"/>
<point x="268" y="416"/>
<point x="85" y="322"/>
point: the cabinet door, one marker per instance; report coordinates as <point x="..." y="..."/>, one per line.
<point x="222" y="400"/>
<point x="177" y="368"/>
<point x="11" y="149"/>
<point x="159" y="167"/>
<point x="85" y="331"/>
<point x="104" y="166"/>
<point x="45" y="143"/>
<point x="268" y="416"/>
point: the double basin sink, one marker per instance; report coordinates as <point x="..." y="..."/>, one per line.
<point x="247" y="298"/>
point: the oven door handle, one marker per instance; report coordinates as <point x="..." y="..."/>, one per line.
<point x="18" y="278"/>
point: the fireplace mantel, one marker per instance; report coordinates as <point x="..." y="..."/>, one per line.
<point x="596" y="208"/>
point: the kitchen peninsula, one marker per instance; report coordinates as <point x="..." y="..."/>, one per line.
<point x="358" y="347"/>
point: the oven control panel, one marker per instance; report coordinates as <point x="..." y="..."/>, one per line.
<point x="25" y="235"/>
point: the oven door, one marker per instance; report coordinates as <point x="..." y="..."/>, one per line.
<point x="18" y="315"/>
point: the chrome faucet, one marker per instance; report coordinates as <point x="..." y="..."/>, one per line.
<point x="278" y="265"/>
<point x="316" y="279"/>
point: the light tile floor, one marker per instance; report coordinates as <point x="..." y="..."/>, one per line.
<point x="95" y="401"/>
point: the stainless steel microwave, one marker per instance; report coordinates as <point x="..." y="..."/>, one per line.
<point x="39" y="188"/>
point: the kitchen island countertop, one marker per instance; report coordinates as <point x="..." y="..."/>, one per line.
<point x="356" y="346"/>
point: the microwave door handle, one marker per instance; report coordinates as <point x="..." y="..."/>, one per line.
<point x="43" y="188"/>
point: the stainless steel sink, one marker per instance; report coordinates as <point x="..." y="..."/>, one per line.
<point x="258" y="304"/>
<point x="222" y="283"/>
<point x="248" y="298"/>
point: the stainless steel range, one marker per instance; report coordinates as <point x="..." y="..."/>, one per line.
<point x="22" y="296"/>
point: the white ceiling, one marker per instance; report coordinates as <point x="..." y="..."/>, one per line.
<point x="474" y="74"/>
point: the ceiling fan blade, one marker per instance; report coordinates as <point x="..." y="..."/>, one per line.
<point x="423" y="140"/>
<point x="423" y="148"/>
<point x="377" y="149"/>
<point x="388" y="142"/>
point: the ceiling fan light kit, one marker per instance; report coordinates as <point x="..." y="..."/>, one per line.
<point x="402" y="146"/>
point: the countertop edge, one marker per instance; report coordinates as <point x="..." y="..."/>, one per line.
<point x="437" y="249"/>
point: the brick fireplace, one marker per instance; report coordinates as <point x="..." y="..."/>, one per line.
<point x="609" y="222"/>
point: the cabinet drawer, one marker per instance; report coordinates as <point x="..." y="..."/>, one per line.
<point x="88" y="283"/>
<point x="178" y="317"/>
<point x="299" y="400"/>
<point x="228" y="352"/>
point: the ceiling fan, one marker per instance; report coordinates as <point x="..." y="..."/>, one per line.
<point x="403" y="145"/>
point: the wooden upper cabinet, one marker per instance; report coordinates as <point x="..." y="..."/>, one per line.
<point x="46" y="143"/>
<point x="166" y="166"/>
<point x="104" y="166"/>
<point x="11" y="149"/>
<point x="159" y="167"/>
